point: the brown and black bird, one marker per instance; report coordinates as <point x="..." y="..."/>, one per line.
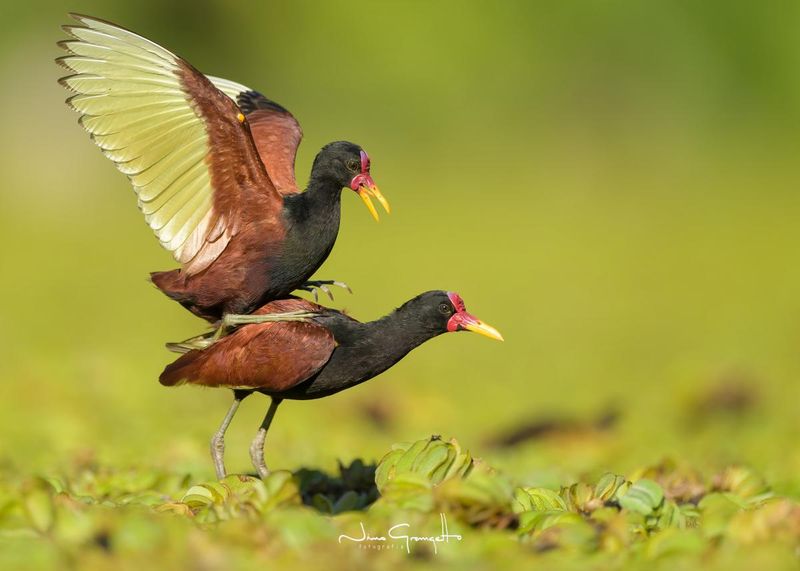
<point x="321" y="353"/>
<point x="212" y="164"/>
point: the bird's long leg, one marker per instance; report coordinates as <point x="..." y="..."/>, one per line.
<point x="232" y="319"/>
<point x="218" y="440"/>
<point x="315" y="286"/>
<point x="257" y="446"/>
<point x="205" y="340"/>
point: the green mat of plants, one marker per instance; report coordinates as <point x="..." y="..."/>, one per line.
<point x="426" y="502"/>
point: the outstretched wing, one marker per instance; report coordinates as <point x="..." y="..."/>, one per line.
<point x="276" y="132"/>
<point x="270" y="356"/>
<point x="182" y="143"/>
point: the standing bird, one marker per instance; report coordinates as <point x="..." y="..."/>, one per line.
<point x="212" y="164"/>
<point x="318" y="355"/>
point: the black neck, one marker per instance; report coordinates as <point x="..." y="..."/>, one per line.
<point x="397" y="334"/>
<point x="312" y="224"/>
<point x="322" y="197"/>
<point x="365" y="350"/>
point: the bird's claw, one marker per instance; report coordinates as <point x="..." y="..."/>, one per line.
<point x="315" y="286"/>
<point x="324" y="289"/>
<point x="343" y="286"/>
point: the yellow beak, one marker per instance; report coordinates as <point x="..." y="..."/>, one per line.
<point x="485" y="329"/>
<point x="365" y="192"/>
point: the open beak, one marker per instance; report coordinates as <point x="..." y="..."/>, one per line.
<point x="463" y="321"/>
<point x="367" y="189"/>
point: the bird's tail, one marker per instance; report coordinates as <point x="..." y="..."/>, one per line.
<point x="192" y="355"/>
<point x="180" y="370"/>
<point x="170" y="282"/>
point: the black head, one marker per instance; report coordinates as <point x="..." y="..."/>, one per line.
<point x="348" y="165"/>
<point x="444" y="311"/>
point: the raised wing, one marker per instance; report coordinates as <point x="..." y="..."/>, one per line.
<point x="181" y="142"/>
<point x="271" y="356"/>
<point x="276" y="132"/>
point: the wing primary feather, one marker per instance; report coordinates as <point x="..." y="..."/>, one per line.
<point x="170" y="130"/>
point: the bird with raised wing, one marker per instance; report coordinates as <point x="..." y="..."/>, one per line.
<point x="321" y="352"/>
<point x="212" y="165"/>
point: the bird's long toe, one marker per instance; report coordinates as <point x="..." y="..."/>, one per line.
<point x="315" y="286"/>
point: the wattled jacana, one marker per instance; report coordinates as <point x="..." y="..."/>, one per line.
<point x="212" y="164"/>
<point x="321" y="353"/>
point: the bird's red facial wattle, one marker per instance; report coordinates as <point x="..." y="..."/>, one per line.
<point x="363" y="184"/>
<point x="463" y="321"/>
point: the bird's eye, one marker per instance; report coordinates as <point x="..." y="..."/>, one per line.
<point x="353" y="165"/>
<point x="444" y="308"/>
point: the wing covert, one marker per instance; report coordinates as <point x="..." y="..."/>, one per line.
<point x="276" y="132"/>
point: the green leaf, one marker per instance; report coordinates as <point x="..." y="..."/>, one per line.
<point x="609" y="486"/>
<point x="197" y="497"/>
<point x="431" y="459"/>
<point x="386" y="469"/>
<point x="442" y="471"/>
<point x="535" y="521"/>
<point x="409" y="491"/>
<point x="349" y="501"/>
<point x="537" y="499"/>
<point x="322" y="503"/>
<point x="577" y="496"/>
<point x="644" y="497"/>
<point x="674" y="515"/>
<point x="406" y="461"/>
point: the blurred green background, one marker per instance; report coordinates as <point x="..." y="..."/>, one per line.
<point x="612" y="184"/>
